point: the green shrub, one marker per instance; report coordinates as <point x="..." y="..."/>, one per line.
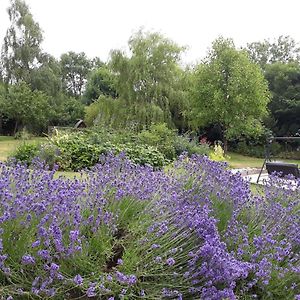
<point x="218" y="154"/>
<point x="156" y="147"/>
<point x="78" y="151"/>
<point x="183" y="144"/>
<point x="25" y="153"/>
<point x="145" y="155"/>
<point x="160" y="136"/>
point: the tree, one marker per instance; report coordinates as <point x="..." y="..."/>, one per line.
<point x="75" y="68"/>
<point x="21" y="50"/>
<point x="47" y="77"/>
<point x="284" y="84"/>
<point x="229" y="90"/>
<point x="148" y="77"/>
<point x="283" y="50"/>
<point x="101" y="81"/>
<point x="27" y="108"/>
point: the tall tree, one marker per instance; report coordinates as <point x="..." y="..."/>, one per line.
<point x="284" y="84"/>
<point x="101" y="81"/>
<point x="229" y="90"/>
<point x="75" y="68"/>
<point x="148" y="76"/>
<point x="284" y="49"/>
<point x="21" y="50"/>
<point x="47" y="77"/>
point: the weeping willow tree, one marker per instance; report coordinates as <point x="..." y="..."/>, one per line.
<point x="113" y="113"/>
<point x="147" y="81"/>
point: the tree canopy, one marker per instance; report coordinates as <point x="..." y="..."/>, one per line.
<point x="284" y="84"/>
<point x="229" y="90"/>
<point x="75" y="68"/>
<point x="148" y="84"/>
<point x="284" y="49"/>
<point x="21" y="50"/>
<point x="101" y="81"/>
<point x="29" y="109"/>
<point x="147" y="78"/>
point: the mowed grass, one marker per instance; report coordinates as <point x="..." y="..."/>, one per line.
<point x="238" y="161"/>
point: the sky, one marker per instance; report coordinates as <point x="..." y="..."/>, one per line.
<point x="97" y="26"/>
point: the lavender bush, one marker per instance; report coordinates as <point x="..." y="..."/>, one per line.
<point x="128" y="232"/>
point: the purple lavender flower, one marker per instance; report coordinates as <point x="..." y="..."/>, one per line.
<point x="91" y="292"/>
<point x="78" y="280"/>
<point x="74" y="235"/>
<point x="44" y="254"/>
<point x="28" y="260"/>
<point x="35" y="244"/>
<point x="170" y="261"/>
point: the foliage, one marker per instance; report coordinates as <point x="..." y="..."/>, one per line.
<point x="108" y="113"/>
<point x="21" y="50"/>
<point x="184" y="144"/>
<point x="74" y="69"/>
<point x="284" y="50"/>
<point x="157" y="147"/>
<point x="78" y="151"/>
<point x="25" y="153"/>
<point x="255" y="149"/>
<point x="100" y="82"/>
<point x="218" y="153"/>
<point x="47" y="76"/>
<point x="161" y="137"/>
<point x="284" y="84"/>
<point x="290" y="155"/>
<point x="148" y="78"/>
<point x="27" y="108"/>
<point x="229" y="90"/>
<point x="194" y="232"/>
<point x="23" y="134"/>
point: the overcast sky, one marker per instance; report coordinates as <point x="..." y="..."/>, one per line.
<point x="97" y="26"/>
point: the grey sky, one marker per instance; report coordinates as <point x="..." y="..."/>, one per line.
<point x="97" y="26"/>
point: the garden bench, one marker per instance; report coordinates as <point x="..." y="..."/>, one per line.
<point x="283" y="169"/>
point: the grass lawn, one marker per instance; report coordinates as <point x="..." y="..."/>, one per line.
<point x="240" y="161"/>
<point x="67" y="174"/>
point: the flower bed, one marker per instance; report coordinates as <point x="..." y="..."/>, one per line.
<point x="129" y="232"/>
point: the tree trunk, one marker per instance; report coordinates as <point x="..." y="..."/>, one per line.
<point x="225" y="145"/>
<point x="16" y="127"/>
<point x="1" y="124"/>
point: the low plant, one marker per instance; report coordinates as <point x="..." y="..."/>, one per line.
<point x="218" y="153"/>
<point x="125" y="231"/>
<point x="183" y="144"/>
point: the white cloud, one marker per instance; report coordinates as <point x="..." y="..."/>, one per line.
<point x="96" y="26"/>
